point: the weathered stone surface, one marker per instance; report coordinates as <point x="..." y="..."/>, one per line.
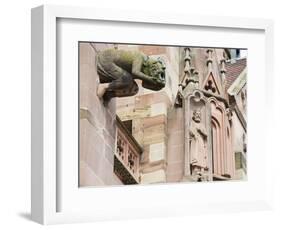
<point x="175" y="145"/>
<point x="148" y="122"/>
<point x="158" y="176"/>
<point x="175" y="171"/>
<point x="97" y="125"/>
<point x="177" y="153"/>
<point x="158" y="109"/>
<point x="131" y="113"/>
<point x="153" y="50"/>
<point x="153" y="98"/>
<point x="153" y="166"/>
<point x="155" y="134"/>
<point x="88" y="177"/>
<point x="119" y="68"/>
<point x="157" y="152"/>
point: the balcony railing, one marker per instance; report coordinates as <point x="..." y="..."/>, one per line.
<point x="127" y="155"/>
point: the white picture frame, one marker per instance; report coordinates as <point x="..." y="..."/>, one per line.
<point x="46" y="181"/>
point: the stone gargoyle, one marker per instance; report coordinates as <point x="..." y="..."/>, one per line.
<point x="118" y="69"/>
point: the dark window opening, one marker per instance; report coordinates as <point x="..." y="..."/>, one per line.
<point x="237" y="53"/>
<point x="129" y="125"/>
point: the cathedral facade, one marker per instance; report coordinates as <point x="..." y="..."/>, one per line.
<point x="192" y="130"/>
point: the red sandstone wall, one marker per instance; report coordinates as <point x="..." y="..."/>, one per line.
<point x="97" y="124"/>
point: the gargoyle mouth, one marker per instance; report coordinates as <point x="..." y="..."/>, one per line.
<point x="154" y="84"/>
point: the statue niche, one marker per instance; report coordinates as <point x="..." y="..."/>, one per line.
<point x="198" y="146"/>
<point x="118" y="69"/>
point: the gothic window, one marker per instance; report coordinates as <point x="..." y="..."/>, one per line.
<point x="229" y="153"/>
<point x="223" y="165"/>
<point x="217" y="151"/>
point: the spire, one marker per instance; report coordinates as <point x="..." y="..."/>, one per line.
<point x="223" y="71"/>
<point x="187" y="60"/>
<point x="210" y="60"/>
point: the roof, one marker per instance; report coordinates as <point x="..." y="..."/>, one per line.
<point x="233" y="70"/>
<point x="238" y="84"/>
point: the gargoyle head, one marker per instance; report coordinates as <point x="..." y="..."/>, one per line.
<point x="155" y="69"/>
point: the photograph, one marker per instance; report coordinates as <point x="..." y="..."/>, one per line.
<point x="146" y="111"/>
<point x="157" y="114"/>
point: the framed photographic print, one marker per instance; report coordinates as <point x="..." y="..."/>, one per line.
<point x="138" y="115"/>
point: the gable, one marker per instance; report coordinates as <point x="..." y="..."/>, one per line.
<point x="211" y="84"/>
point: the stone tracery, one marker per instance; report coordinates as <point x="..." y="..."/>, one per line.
<point x="208" y="150"/>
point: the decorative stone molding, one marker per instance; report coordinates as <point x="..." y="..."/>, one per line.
<point x="223" y="158"/>
<point x="229" y="114"/>
<point x="210" y="59"/>
<point x="194" y="78"/>
<point x="127" y="156"/>
<point x="179" y="98"/>
<point x="192" y="82"/>
<point x="197" y="137"/>
<point x="223" y="71"/>
<point x="211" y="85"/>
<point x="187" y="60"/>
<point x="190" y="78"/>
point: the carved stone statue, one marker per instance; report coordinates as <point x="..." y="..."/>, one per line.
<point x="198" y="145"/>
<point x="117" y="70"/>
